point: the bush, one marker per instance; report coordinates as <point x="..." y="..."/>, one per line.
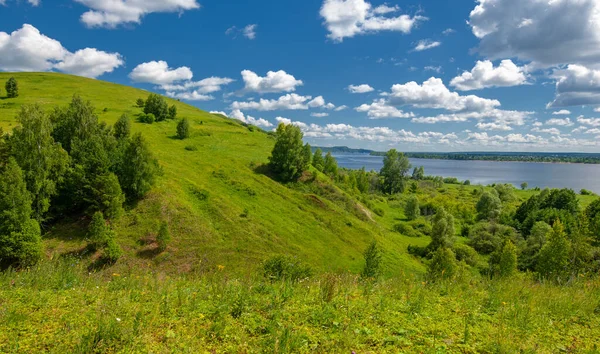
<point x="148" y="118"/>
<point x="98" y="231"/>
<point x="503" y="263"/>
<point x="379" y="211"/>
<point x="191" y="148"/>
<point x="12" y="88"/>
<point x="465" y="253"/>
<point x="372" y="268"/>
<point x="412" y="210"/>
<point x="406" y="230"/>
<point x="140" y="102"/>
<point x="183" y="129"/>
<point x="288" y="160"/>
<point x="443" y="264"/>
<point x="122" y="128"/>
<point x="279" y="268"/>
<point x="164" y="236"/>
<point x="172" y="112"/>
<point x="157" y="106"/>
<point x="112" y="251"/>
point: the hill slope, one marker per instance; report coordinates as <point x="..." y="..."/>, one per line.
<point x="221" y="209"/>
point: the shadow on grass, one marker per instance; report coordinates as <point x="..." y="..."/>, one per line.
<point x="149" y="253"/>
<point x="81" y="253"/>
<point x="100" y="264"/>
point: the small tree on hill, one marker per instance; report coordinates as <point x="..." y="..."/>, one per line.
<point x="488" y="207"/>
<point x="442" y="230"/>
<point x="156" y="105"/>
<point x="553" y="258"/>
<point x="183" y="129"/>
<point x="372" y="268"/>
<point x="418" y="173"/>
<point x="98" y="231"/>
<point x="172" y="112"/>
<point x="139" y="170"/>
<point x="412" y="209"/>
<point x="164" y="236"/>
<point x="122" y="128"/>
<point x="443" y="264"/>
<point x="140" y="102"/>
<point x="331" y="167"/>
<point x="524" y="185"/>
<point x="12" y="88"/>
<point x="287" y="159"/>
<point x="394" y="170"/>
<point x="504" y="262"/>
<point x="308" y="156"/>
<point x="318" y="161"/>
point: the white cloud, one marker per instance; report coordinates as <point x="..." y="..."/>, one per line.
<point x="426" y="44"/>
<point x="545" y="32"/>
<point x="379" y="109"/>
<point x="319" y="115"/>
<point x="566" y="122"/>
<point x="437" y="69"/>
<point x="287" y="102"/>
<point x="31" y="2"/>
<point x="594" y="122"/>
<point x="494" y="126"/>
<point x="448" y="31"/>
<point x="219" y="112"/>
<point x="159" y="73"/>
<point x="341" y="108"/>
<point x="348" y="18"/>
<point x="562" y="112"/>
<point x="576" y="85"/>
<point x="275" y="81"/>
<point x="208" y="85"/>
<point x="190" y="96"/>
<point x="26" y="49"/>
<point x="364" y="88"/>
<point x="484" y="75"/>
<point x="259" y="122"/>
<point x="434" y="94"/>
<point x="553" y="131"/>
<point x="497" y="115"/>
<point x="250" y="31"/>
<point x="112" y="13"/>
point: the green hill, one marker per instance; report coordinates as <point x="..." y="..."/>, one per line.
<point x="221" y="209"/>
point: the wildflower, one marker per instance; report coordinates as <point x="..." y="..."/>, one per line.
<point x="118" y="319"/>
<point x="221" y="267"/>
<point x="116" y="275"/>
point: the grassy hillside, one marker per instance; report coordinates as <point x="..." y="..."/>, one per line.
<point x="221" y="209"/>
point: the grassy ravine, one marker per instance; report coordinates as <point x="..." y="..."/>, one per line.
<point x="59" y="308"/>
<point x="205" y="293"/>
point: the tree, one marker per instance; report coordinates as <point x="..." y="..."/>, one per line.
<point x="524" y="185"/>
<point x="318" y="161"/>
<point x="394" y="170"/>
<point x="442" y="265"/>
<point x="288" y="160"/>
<point x="12" y="88"/>
<point x="504" y="262"/>
<point x="156" y="105"/>
<point x="442" y="230"/>
<point x="418" y="173"/>
<point x="362" y="181"/>
<point x="331" y="167"/>
<point x="122" y="128"/>
<point x="140" y="102"/>
<point x="42" y="160"/>
<point x="307" y="151"/>
<point x="98" y="231"/>
<point x="488" y="207"/>
<point x="372" y="268"/>
<point x="412" y="210"/>
<point x="139" y="170"/>
<point x="164" y="236"/>
<point x="172" y="112"/>
<point x="106" y="196"/>
<point x="414" y="188"/>
<point x="76" y="121"/>
<point x="20" y="235"/>
<point x="553" y="258"/>
<point x="183" y="129"/>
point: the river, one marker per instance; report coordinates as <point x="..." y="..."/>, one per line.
<point x="536" y="174"/>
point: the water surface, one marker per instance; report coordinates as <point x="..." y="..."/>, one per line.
<point x="536" y="174"/>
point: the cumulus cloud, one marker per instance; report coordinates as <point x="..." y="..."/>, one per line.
<point x="547" y="33"/>
<point x="553" y="131"/>
<point x="341" y="108"/>
<point x="576" y="85"/>
<point x="496" y="115"/>
<point x="560" y="122"/>
<point x="112" y="13"/>
<point x="159" y="73"/>
<point x="348" y="18"/>
<point x="319" y="115"/>
<point x="190" y="96"/>
<point x="434" y="94"/>
<point x="274" y="82"/>
<point x="562" y="112"/>
<point x="287" y="102"/>
<point x="379" y="109"/>
<point x="426" y="44"/>
<point x="208" y="85"/>
<point x="31" y="2"/>
<point x="594" y="122"/>
<point x="26" y="49"/>
<point x="259" y="122"/>
<point x="494" y="126"/>
<point x="364" y="88"/>
<point x="485" y="75"/>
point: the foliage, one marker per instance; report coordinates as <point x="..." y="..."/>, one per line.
<point x="12" y="88"/>
<point x="139" y="172"/>
<point x="394" y="170"/>
<point x="465" y="253"/>
<point x="372" y="268"/>
<point x="156" y="105"/>
<point x="288" y="160"/>
<point x="164" y="236"/>
<point x="183" y="129"/>
<point x="106" y="196"/>
<point x="20" y="240"/>
<point x="98" y="231"/>
<point x="122" y="128"/>
<point x="148" y="118"/>
<point x="140" y="103"/>
<point x="418" y="173"/>
<point x="172" y="112"/>
<point x="112" y="252"/>
<point x="443" y="265"/>
<point x="330" y="166"/>
<point x="503" y="263"/>
<point x="412" y="209"/>
<point x="318" y="162"/>
<point x="42" y="160"/>
<point x="488" y="207"/>
<point x="553" y="259"/>
<point x="442" y="231"/>
<point x="279" y="268"/>
<point x="488" y="237"/>
<point x="524" y="185"/>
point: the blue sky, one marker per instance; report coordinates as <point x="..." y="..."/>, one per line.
<point x="418" y="75"/>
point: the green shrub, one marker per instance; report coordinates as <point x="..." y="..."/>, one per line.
<point x="183" y="129"/>
<point x="140" y="102"/>
<point x="372" y="268"/>
<point x="443" y="264"/>
<point x="379" y="211"/>
<point x="412" y="210"/>
<point x="112" y="252"/>
<point x="406" y="230"/>
<point x="191" y="148"/>
<point x="148" y="118"/>
<point x="466" y="253"/>
<point x="12" y="88"/>
<point x="157" y="106"/>
<point x="98" y="231"/>
<point x="285" y="268"/>
<point x="503" y="263"/>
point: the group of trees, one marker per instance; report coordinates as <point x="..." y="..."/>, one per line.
<point x="66" y="162"/>
<point x="156" y="109"/>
